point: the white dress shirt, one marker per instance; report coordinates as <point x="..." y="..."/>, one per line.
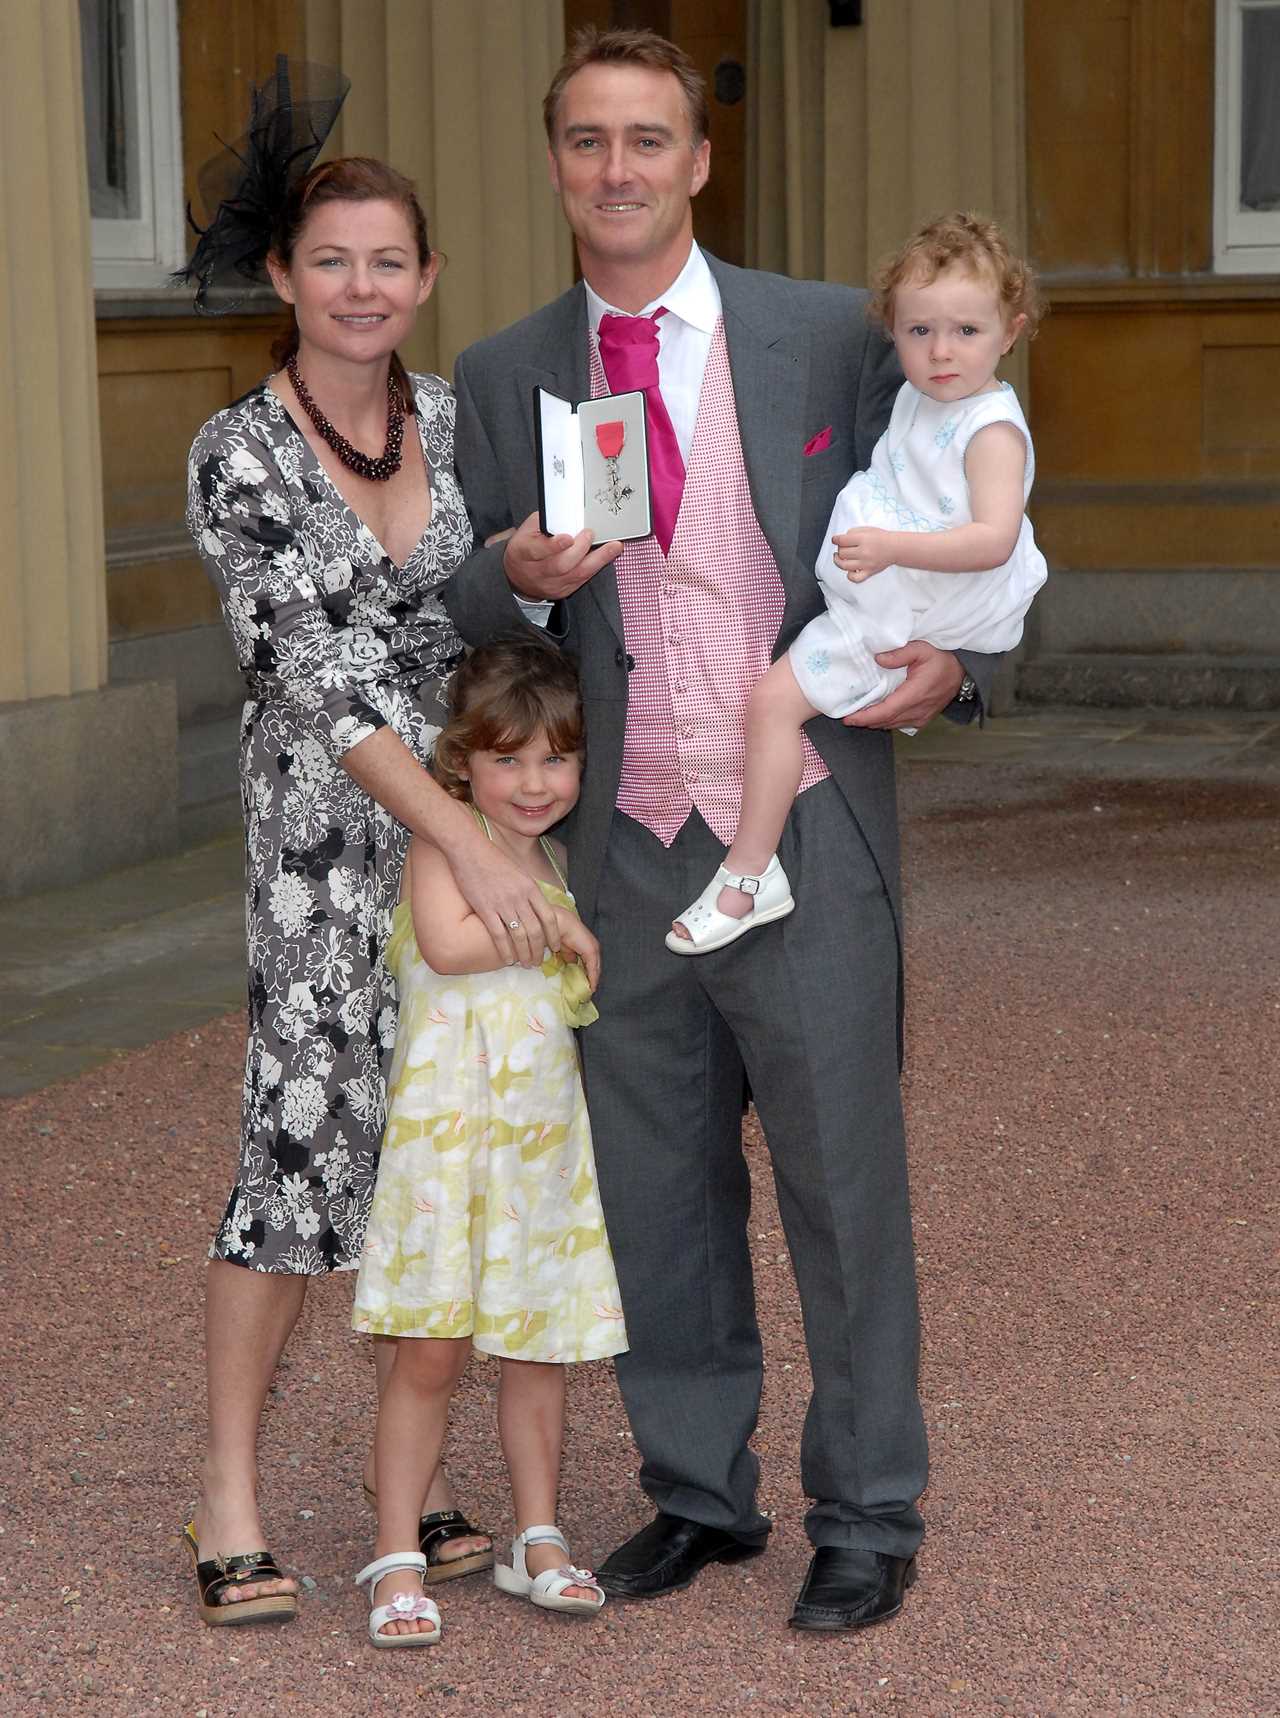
<point x="692" y="304"/>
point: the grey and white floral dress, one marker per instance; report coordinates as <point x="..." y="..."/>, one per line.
<point x="335" y="641"/>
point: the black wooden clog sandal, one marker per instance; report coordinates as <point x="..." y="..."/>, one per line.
<point x="436" y="1531"/>
<point x="217" y="1574"/>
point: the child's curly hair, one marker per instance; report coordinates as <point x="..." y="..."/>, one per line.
<point x="959" y="240"/>
<point x="499" y="698"/>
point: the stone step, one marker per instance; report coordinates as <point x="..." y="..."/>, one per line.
<point x="1170" y="612"/>
<point x="208" y="755"/>
<point x="208" y="780"/>
<point x="1178" y="681"/>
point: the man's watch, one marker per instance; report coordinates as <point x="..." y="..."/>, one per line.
<point x="967" y="690"/>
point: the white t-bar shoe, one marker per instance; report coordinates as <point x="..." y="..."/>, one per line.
<point x="709" y="928"/>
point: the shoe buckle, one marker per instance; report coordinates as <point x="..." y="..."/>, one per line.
<point x="745" y="885"/>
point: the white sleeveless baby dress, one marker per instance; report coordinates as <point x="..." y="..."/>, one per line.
<point x="916" y="482"/>
<point x="486" y="1221"/>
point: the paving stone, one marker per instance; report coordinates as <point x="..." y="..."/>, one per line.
<point x="1093" y="1100"/>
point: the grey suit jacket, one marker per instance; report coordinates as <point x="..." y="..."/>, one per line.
<point x="803" y="360"/>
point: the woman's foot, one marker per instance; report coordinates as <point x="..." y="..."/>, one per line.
<point x="225" y="1527"/>
<point x="439" y="1500"/>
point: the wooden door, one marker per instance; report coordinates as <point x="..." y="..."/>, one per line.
<point x="714" y="34"/>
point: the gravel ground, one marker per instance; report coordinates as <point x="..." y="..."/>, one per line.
<point x="1092" y="1092"/>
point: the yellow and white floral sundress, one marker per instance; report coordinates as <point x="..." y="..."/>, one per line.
<point x="486" y="1221"/>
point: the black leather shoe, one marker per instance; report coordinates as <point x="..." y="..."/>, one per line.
<point x="847" y="1589"/>
<point x="666" y="1555"/>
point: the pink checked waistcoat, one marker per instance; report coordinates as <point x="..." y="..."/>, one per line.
<point x="700" y="625"/>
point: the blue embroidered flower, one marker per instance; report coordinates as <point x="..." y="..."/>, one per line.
<point x="818" y="662"/>
<point x="946" y="435"/>
<point x="946" y="504"/>
<point x="898" y="463"/>
<point x="904" y="517"/>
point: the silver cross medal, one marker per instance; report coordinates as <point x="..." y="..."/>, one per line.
<point x="610" y="438"/>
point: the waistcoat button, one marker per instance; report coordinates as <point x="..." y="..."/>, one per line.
<point x="624" y="659"/>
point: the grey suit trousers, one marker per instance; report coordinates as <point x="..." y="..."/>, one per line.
<point x="808" y="1006"/>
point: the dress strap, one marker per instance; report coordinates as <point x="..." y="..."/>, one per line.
<point x="549" y="850"/>
<point x="543" y="842"/>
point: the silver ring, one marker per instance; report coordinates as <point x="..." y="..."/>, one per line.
<point x="513" y="924"/>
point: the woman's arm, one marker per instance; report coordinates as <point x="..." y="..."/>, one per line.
<point x="451" y="936"/>
<point x="994" y="464"/>
<point x="495" y="892"/>
<point x="239" y="516"/>
<point x="454" y="939"/>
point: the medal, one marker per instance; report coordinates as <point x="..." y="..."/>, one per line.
<point x="610" y="438"/>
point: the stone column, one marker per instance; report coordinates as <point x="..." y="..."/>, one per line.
<point x="89" y="775"/>
<point x="938" y="104"/>
<point x="451" y="95"/>
<point x="53" y="641"/>
<point x="787" y="51"/>
<point x="859" y="133"/>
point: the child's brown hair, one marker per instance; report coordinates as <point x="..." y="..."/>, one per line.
<point x="500" y="697"/>
<point x="960" y="240"/>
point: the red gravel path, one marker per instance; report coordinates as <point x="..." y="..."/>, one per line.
<point x="1093" y="1098"/>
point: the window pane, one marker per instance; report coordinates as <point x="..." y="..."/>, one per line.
<point x="1260" y="108"/>
<point x="109" y="48"/>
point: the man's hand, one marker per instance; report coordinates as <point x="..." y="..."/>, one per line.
<point x="863" y="552"/>
<point x="544" y="569"/>
<point x="933" y="679"/>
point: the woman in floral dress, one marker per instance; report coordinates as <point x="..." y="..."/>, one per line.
<point x="328" y="563"/>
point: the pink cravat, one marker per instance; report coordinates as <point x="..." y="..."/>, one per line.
<point x="629" y="354"/>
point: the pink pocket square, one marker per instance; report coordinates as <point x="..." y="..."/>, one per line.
<point x="817" y="443"/>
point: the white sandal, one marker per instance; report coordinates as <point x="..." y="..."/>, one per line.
<point x="709" y="928"/>
<point x="405" y="1607"/>
<point x="547" y="1589"/>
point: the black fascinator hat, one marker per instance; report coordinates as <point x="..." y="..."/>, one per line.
<point x="248" y="182"/>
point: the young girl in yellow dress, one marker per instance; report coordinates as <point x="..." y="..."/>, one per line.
<point x="486" y="1229"/>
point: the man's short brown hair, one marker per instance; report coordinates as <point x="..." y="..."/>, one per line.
<point x="592" y="46"/>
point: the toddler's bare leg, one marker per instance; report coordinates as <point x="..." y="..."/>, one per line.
<point x="776" y="711"/>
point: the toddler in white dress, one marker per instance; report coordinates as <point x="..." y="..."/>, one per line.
<point x="931" y="542"/>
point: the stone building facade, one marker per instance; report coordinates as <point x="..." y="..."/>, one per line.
<point x="1124" y="142"/>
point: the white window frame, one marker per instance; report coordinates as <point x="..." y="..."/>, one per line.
<point x="143" y="251"/>
<point x="1244" y="241"/>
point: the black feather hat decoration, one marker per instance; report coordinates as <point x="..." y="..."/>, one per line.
<point x="247" y="182"/>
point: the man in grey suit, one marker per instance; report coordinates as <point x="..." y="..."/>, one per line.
<point x="775" y="390"/>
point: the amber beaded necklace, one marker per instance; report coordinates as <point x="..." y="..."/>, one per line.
<point x="364" y="465"/>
